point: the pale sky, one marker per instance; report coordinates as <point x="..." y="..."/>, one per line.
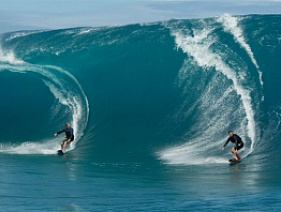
<point x="53" y="14"/>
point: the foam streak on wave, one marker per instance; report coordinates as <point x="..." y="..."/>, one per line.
<point x="230" y="24"/>
<point x="23" y="34"/>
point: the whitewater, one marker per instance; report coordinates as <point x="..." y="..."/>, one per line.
<point x="198" y="44"/>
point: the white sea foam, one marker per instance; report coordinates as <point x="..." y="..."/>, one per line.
<point x="89" y="30"/>
<point x="185" y="155"/>
<point x="67" y="90"/>
<point x="230" y="24"/>
<point x="43" y="147"/>
<point x="9" y="57"/>
<point x="199" y="149"/>
<point x="22" y="34"/>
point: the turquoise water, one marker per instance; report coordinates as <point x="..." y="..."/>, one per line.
<point x="150" y="105"/>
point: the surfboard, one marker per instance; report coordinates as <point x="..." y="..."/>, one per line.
<point x="60" y="152"/>
<point x="234" y="161"/>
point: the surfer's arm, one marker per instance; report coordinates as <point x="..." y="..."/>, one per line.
<point x="59" y="132"/>
<point x="225" y="144"/>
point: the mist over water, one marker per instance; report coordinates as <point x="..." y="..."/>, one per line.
<point x="150" y="105"/>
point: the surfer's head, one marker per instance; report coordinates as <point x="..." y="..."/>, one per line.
<point x="230" y="133"/>
<point x="67" y="125"/>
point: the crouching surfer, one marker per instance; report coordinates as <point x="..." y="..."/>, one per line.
<point x="69" y="136"/>
<point x="238" y="144"/>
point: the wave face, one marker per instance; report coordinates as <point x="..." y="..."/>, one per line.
<point x="168" y="90"/>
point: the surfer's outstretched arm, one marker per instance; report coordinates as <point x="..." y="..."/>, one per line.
<point x="59" y="132"/>
<point x="225" y="144"/>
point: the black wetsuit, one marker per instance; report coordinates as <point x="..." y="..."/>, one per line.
<point x="68" y="133"/>
<point x="237" y="140"/>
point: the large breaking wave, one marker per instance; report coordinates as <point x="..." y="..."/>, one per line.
<point x="171" y="89"/>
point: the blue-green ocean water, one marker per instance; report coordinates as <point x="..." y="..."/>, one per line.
<point x="151" y="105"/>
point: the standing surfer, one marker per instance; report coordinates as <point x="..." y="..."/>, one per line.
<point x="238" y="144"/>
<point x="69" y="136"/>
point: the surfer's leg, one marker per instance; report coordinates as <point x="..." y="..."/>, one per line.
<point x="65" y="142"/>
<point x="234" y="152"/>
<point x="62" y="145"/>
<point x="238" y="157"/>
<point x="239" y="147"/>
